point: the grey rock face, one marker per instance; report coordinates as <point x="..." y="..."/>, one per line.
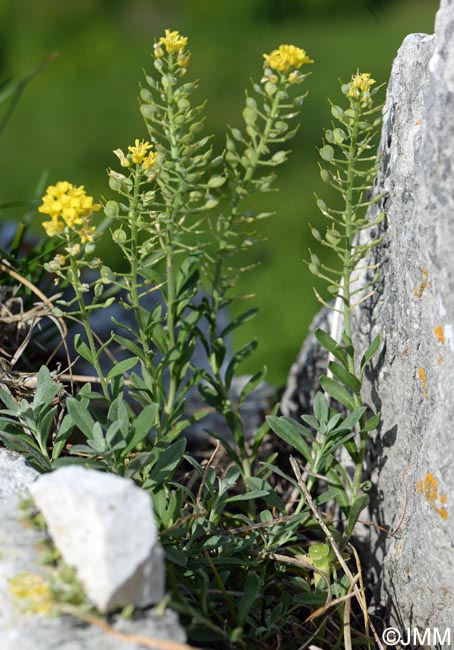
<point x="22" y="629"/>
<point x="412" y="457"/>
<point x="104" y="527"/>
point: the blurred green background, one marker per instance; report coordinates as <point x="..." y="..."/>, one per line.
<point x="84" y="105"/>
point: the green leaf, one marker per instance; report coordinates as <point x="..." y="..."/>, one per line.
<point x="83" y="349"/>
<point x="121" y="368"/>
<point x="248" y="496"/>
<point x="168" y="460"/>
<point x="345" y="377"/>
<point x="351" y="420"/>
<point x="242" y="354"/>
<point x="9" y="401"/>
<point x="372" y="423"/>
<point x="321" y="408"/>
<point x="356" y="509"/>
<point x="143" y="425"/>
<point x="332" y="346"/>
<point x="252" y="384"/>
<point x="25" y="445"/>
<point x="46" y="388"/>
<point x="338" y="392"/>
<point x="80" y="416"/>
<point x="250" y="593"/>
<point x="239" y="320"/>
<point x="292" y="433"/>
<point x="370" y="352"/>
<point x="130" y="345"/>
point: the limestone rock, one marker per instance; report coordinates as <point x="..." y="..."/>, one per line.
<point x="310" y="365"/>
<point x="104" y="527"/>
<point x="22" y="629"/>
<point x="15" y="475"/>
<point x="412" y="456"/>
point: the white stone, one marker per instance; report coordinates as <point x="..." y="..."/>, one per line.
<point x="104" y="527"/>
<point x="15" y="475"/>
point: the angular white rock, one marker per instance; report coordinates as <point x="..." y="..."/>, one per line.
<point x="15" y="475"/>
<point x="104" y="527"/>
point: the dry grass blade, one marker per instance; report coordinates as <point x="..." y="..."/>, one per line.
<point x="147" y="642"/>
<point x="358" y="595"/>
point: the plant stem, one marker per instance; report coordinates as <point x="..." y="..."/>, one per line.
<point x="87" y="327"/>
<point x="346" y="279"/>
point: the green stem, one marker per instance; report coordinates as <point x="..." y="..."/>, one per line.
<point x="218" y="290"/>
<point x="134" y="274"/>
<point x="346" y="277"/>
<point x="87" y="327"/>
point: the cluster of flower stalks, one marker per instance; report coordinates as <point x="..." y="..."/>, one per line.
<point x="253" y="560"/>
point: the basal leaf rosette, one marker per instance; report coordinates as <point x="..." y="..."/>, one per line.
<point x="70" y="209"/>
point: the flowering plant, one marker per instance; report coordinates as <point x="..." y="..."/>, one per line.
<point x="179" y="220"/>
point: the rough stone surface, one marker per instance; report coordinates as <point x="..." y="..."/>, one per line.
<point x="104" y="527"/>
<point x="20" y="630"/>
<point x="15" y="475"/>
<point x="309" y="366"/>
<point x="412" y="382"/>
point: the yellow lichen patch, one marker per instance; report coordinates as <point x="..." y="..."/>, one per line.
<point x="440" y="361"/>
<point x="32" y="593"/>
<point x="423" y="379"/>
<point x="438" y="331"/>
<point x="418" y="293"/>
<point x="429" y="488"/>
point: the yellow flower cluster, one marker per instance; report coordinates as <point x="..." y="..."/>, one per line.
<point x="286" y="58"/>
<point x="138" y="154"/>
<point x="172" y="42"/>
<point x="68" y="206"/>
<point x="359" y="87"/>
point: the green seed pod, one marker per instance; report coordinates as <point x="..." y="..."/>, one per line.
<point x="111" y="209"/>
<point x="315" y="234"/>
<point x="216" y="181"/>
<point x="327" y="153"/>
<point x="270" y="88"/>
<point x="337" y="112"/>
<point x="325" y="176"/>
<point x="119" y="236"/>
<point x="146" y="95"/>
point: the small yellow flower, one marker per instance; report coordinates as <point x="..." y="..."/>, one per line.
<point x="124" y="162"/>
<point x="68" y="206"/>
<point x="150" y="160"/>
<point x="139" y="151"/>
<point x="287" y="57"/>
<point x="359" y="87"/>
<point x="172" y="41"/>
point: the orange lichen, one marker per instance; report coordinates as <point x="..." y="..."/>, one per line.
<point x="438" y="331"/>
<point x="423" y="379"/>
<point x="440" y="361"/>
<point x="418" y="293"/>
<point x="418" y="122"/>
<point x="429" y="488"/>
